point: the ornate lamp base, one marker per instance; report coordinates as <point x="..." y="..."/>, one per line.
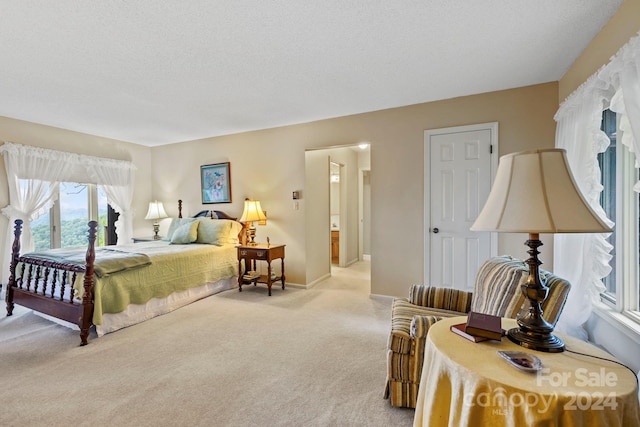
<point x="251" y="235"/>
<point x="534" y="332"/>
<point x="536" y="341"/>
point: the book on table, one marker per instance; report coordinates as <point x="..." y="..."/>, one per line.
<point x="460" y="329"/>
<point x="484" y="325"/>
<point x="251" y="275"/>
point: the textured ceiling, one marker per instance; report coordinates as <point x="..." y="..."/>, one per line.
<point x="155" y="72"/>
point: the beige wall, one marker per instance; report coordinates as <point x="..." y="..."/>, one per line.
<point x="268" y="165"/>
<point x="316" y="239"/>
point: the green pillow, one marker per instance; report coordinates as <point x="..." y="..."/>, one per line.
<point x="175" y="223"/>
<point x="213" y="232"/>
<point x="186" y="233"/>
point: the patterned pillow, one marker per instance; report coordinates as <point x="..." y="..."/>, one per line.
<point x="185" y="233"/>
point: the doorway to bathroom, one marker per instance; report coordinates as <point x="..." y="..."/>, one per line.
<point x="335" y="172"/>
<point x="348" y="219"/>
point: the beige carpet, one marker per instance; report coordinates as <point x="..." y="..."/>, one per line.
<point x="299" y="358"/>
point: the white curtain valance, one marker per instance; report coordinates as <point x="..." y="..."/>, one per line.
<point x="624" y="74"/>
<point x="594" y="88"/>
<point x="78" y="167"/>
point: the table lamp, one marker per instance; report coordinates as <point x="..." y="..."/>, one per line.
<point x="156" y="212"/>
<point x="534" y="192"/>
<point x="252" y="212"/>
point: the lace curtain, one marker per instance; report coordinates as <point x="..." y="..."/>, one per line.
<point x="583" y="259"/>
<point x="116" y="178"/>
<point x="41" y="170"/>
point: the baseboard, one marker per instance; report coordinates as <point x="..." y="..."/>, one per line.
<point x="366" y="257"/>
<point x="294" y="285"/>
<point x="381" y="297"/>
<point x="350" y="263"/>
<point x="318" y="280"/>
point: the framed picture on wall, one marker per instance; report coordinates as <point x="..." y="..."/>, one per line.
<point x="215" y="181"/>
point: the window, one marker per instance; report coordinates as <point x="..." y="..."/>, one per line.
<point x="65" y="224"/>
<point x="622" y="205"/>
<point x="41" y="231"/>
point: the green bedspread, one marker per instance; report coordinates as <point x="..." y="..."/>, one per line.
<point x="170" y="268"/>
<point x="108" y="260"/>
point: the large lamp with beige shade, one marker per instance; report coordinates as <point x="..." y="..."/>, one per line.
<point x="534" y="192"/>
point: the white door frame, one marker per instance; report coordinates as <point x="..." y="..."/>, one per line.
<point x="360" y="213"/>
<point x="493" y="128"/>
<point x="344" y="216"/>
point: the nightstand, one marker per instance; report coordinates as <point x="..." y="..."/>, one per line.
<point x="143" y="239"/>
<point x="259" y="252"/>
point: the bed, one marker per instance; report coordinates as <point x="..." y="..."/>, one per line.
<point x="113" y="287"/>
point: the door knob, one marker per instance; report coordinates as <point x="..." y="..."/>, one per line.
<point x="436" y="230"/>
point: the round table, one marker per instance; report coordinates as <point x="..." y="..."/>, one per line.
<point x="465" y="383"/>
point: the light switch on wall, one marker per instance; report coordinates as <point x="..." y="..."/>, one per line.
<point x="296" y="206"/>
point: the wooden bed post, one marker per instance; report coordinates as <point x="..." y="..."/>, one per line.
<point x="179" y="208"/>
<point x="15" y="254"/>
<point x="86" y="320"/>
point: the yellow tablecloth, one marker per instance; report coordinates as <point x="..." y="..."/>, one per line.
<point x="465" y="383"/>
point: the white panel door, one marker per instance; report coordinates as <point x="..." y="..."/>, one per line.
<point x="459" y="181"/>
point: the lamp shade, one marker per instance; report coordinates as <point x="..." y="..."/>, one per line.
<point x="156" y="211"/>
<point x="534" y="192"/>
<point x="252" y="212"/>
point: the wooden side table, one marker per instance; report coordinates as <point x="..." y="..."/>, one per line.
<point x="259" y="252"/>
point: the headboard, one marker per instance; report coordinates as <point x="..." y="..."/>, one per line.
<point x="206" y="213"/>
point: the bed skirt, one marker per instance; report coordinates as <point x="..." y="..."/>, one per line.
<point x="137" y="313"/>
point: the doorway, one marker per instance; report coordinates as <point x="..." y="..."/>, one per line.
<point x="335" y="206"/>
<point x="353" y="222"/>
<point x="460" y="164"/>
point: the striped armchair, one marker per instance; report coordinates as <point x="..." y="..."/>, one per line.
<point x="497" y="291"/>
